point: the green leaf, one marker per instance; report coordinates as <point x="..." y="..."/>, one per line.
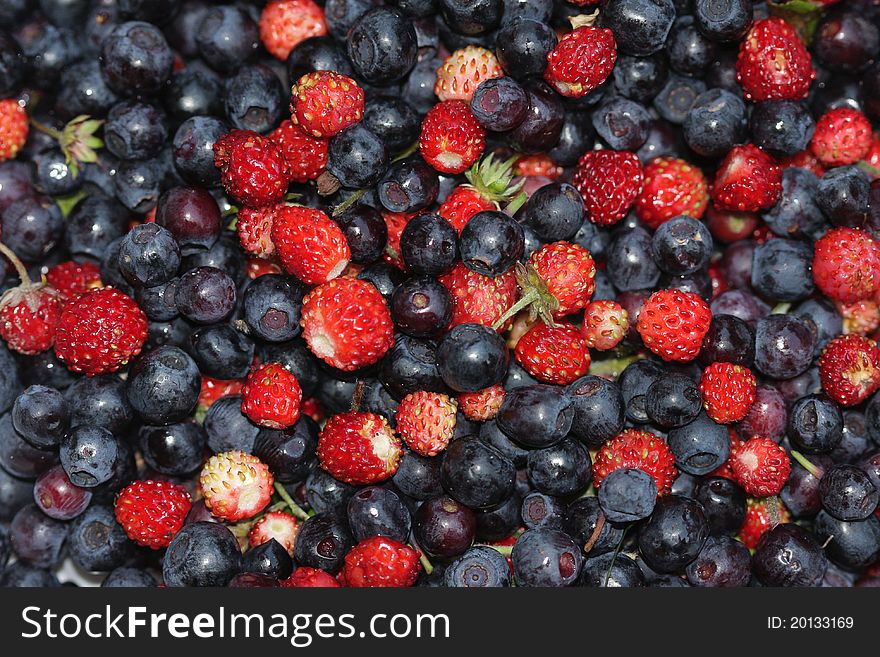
<point x="67" y="203"/>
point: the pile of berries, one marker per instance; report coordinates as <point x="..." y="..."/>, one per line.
<point x="351" y="293"/>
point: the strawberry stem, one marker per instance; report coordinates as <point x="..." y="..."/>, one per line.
<point x="600" y="525"/>
<point x="616" y="552"/>
<point x="406" y="152"/>
<point x="46" y="130"/>
<point x="524" y="302"/>
<point x="347" y="203"/>
<point x="869" y="168"/>
<point x="423" y="559"/>
<point x="358" y="396"/>
<point x="773" y="510"/>
<point x="295" y="509"/>
<point x="806" y="464"/>
<point x="516" y="203"/>
<point x="19" y="266"/>
<point x="506" y="550"/>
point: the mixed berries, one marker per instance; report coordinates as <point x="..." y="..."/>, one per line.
<point x="432" y="293"/>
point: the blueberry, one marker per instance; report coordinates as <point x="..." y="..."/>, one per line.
<point x="136" y="59"/>
<point x="472" y="357"/>
<point x="135" y="130"/>
<point x="12" y="61"/>
<point x="479" y="567"/>
<point x="228" y="428"/>
<point x="419" y="87"/>
<point x="585" y="523"/>
<point x="545" y="557"/>
<point x="815" y="424"/>
<point x="728" y="340"/>
<point x="522" y="47"/>
<point x="640" y="26"/>
<point x="320" y="53"/>
<point x="148" y="255"/>
<point x="491" y="243"/>
<point x="783" y="346"/>
<point x="271" y="307"/>
<point x="20" y="575"/>
<point x="690" y="52"/>
<point x="845" y="41"/>
<point x="491" y="434"/>
<point x="14" y="494"/>
<point x="227" y="37"/>
<point x="715" y="123"/>
<point x="612" y="571"/>
<point x="853" y="545"/>
<point x="500" y="104"/>
<point x="536" y="416"/>
<point x="382" y="46"/>
<point x="682" y="245"/>
<point x="673" y="401"/>
<point x="367" y="235"/>
<point x="411" y="365"/>
<point x="541" y="128"/>
<point x="724" y="503"/>
<point x="577" y="137"/>
<point x="175" y="450"/>
<point x="164" y="385"/>
<point x="194" y="91"/>
<point x="629" y="261"/>
<point x="471" y="16"/>
<point x="269" y="558"/>
<point x="225" y="255"/>
<point x="842" y="195"/>
<point x="674" y="534"/>
<point x="325" y="494"/>
<point x="393" y="120"/>
<point x="540" y="510"/>
<point x="640" y="78"/>
<point x="96" y="541"/>
<point x="675" y="99"/>
<point x="41" y="415"/>
<point x="93" y="224"/>
<point x="475" y="474"/>
<point x="782" y="270"/>
<point x="781" y="127"/>
<point x="418" y="476"/>
<point x="89" y="455"/>
<point x="99" y="401"/>
<point x="562" y="469"/>
<point x="789" y="555"/>
<point x="443" y="527"/>
<point x="254" y="99"/>
<point x="193" y="149"/>
<point x="847" y="493"/>
<point x="375" y="511"/>
<point x="31" y="227"/>
<point x="222" y="352"/>
<point x="598" y="410"/>
<point x="723" y="20"/>
<point x="723" y="562"/>
<point x="428" y="245"/>
<point x="555" y="212"/>
<point x="129" y="577"/>
<point x="203" y="554"/>
<point x="635" y="381"/>
<point x="627" y="495"/>
<point x="796" y="214"/>
<point x="84" y="91"/>
<point x="408" y="186"/>
<point x="205" y="295"/>
<point x="290" y="452"/>
<point x="421" y="306"/>
<point x="700" y="446"/>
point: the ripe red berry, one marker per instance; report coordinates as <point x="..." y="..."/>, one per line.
<point x="605" y="324"/>
<point x="581" y="61"/>
<point x="275" y="525"/>
<point x="271" y="396"/>
<point x="324" y="103"/>
<point x="73" y="279"/>
<point x="672" y="187"/>
<point x="773" y="63"/>
<point x="609" y="182"/>
<point x="311" y="246"/>
<point x="637" y="449"/>
<point x="236" y="485"/>
<point x="13" y="128"/>
<point x="553" y="354"/>
<point x="673" y="323"/>
<point x="254" y="226"/>
<point x="846" y="264"/>
<point x="760" y="466"/>
<point x="569" y="272"/>
<point x="463" y="71"/>
<point x="849" y="369"/>
<point x="843" y="136"/>
<point x="100" y="332"/>
<point x="306" y="156"/>
<point x="305" y="577"/>
<point x="426" y="421"/>
<point x="747" y="180"/>
<point x="760" y="518"/>
<point x="252" y="168"/>
<point x="451" y="139"/>
<point x="286" y="23"/>
<point x="359" y="448"/>
<point x="476" y="298"/>
<point x="728" y="391"/>
<point x="152" y="512"/>
<point x="483" y="405"/>
<point x="380" y="561"/>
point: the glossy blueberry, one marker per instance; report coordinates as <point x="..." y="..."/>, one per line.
<point x="585" y="523"/>
<point x="555" y="212"/>
<point x="675" y="99"/>
<point x="290" y="452"/>
<point x="421" y="306"/>
<point x="129" y="577"/>
<point x="545" y="557"/>
<point x="640" y="78"/>
<point x="608" y="570"/>
<point x="164" y="385"/>
<point x="783" y="346"/>
<point x="418" y="476"/>
<point x="630" y="264"/>
<point x="382" y="46"/>
<point x="31" y="227"/>
<point x="540" y="510"/>
<point x="781" y="127"/>
<point x="194" y="91"/>
<point x="796" y="214"/>
<point x="228" y="428"/>
<point x="500" y="104"/>
<point x="176" y="449"/>
<point x="472" y="357"/>
<point x="99" y="401"/>
<point x="845" y="41"/>
<point x="541" y="128"/>
<point x="471" y="16"/>
<point x="444" y="527"/>
<point x="325" y="494"/>
<point x="536" y="416"/>
<point x="193" y="150"/>
<point x="475" y="474"/>
<point x="135" y="130"/>
<point x="674" y="534"/>
<point x="562" y="469"/>
<point x="598" y="410"/>
<point x="673" y="401"/>
<point x="227" y="37"/>
<point x="271" y="307"/>
<point x="789" y="555"/>
<point x="847" y="493"/>
<point x="682" y="245"/>
<point x="640" y="26"/>
<point x="357" y="157"/>
<point x="428" y="245"/>
<point x="634" y="383"/>
<point x="690" y="52"/>
<point x="393" y="120"/>
<point x="89" y="455"/>
<point x="842" y="195"/>
<point x="728" y="340"/>
<point x="136" y="59"/>
<point x="522" y="47"/>
<point x="491" y="243"/>
<point x="14" y="494"/>
<point x="97" y="542"/>
<point x="375" y="511"/>
<point x="491" y="434"/>
<point x="148" y="255"/>
<point x="781" y="270"/>
<point x="367" y="234"/>
<point x="269" y="558"/>
<point x="478" y="567"/>
<point x="623" y="124"/>
<point x="321" y="53"/>
<point x="724" y="503"/>
<point x="815" y="424"/>
<point x="723" y="562"/>
<point x="41" y="415"/>
<point x="627" y="495"/>
<point x="254" y="99"/>
<point x="715" y="122"/>
<point x="222" y="352"/>
<point x="203" y="554"/>
<point x="853" y="545"/>
<point x="700" y="446"/>
<point x="723" y="20"/>
<point x="205" y="295"/>
<point x="408" y="186"/>
<point x="37" y="539"/>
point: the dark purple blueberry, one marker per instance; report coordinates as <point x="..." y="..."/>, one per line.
<point x="842" y="195"/>
<point x="846" y="41"/>
<point x="254" y="99"/>
<point x="700" y="446"/>
<point x="222" y="352"/>
<point x="796" y="214"/>
<point x="728" y="340"/>
<point x="640" y="78"/>
<point x="715" y="123"/>
<point x="815" y="424"/>
<point x="782" y="270"/>
<point x="781" y="127"/>
<point x="382" y="46"/>
<point x="783" y="346"/>
<point x="471" y="17"/>
<point x="226" y="255"/>
<point x="227" y="37"/>
<point x="321" y="53"/>
<point x="84" y="91"/>
<point x="375" y="511"/>
<point x="138" y="184"/>
<point x="588" y="527"/>
<point x="540" y="510"/>
<point x="89" y="455"/>
<point x="640" y="26"/>
<point x="475" y="474"/>
<point x="767" y="416"/>
<point x="205" y="295"/>
<point x="801" y="491"/>
<point x="164" y="385"/>
<point x="411" y="365"/>
<point x="37" y="539"/>
<point x="408" y="186"/>
<point x="491" y="434"/>
<point x="577" y="137"/>
<point x="58" y="497"/>
<point x="148" y="255"/>
<point x="612" y="571"/>
<point x="93" y="224"/>
<point x="723" y="20"/>
<point x="491" y="243"/>
<point x="789" y="555"/>
<point x="357" y="157"/>
<point x="41" y="415"/>
<point x="326" y="494"/>
<point x="269" y="558"/>
<point x="176" y="450"/>
<point x="546" y="557"/>
<point x="847" y="492"/>
<point x="31" y="227"/>
<point x="192" y="216"/>
<point x="289" y="452"/>
<point x="129" y="577"/>
<point x="12" y="61"/>
<point x="341" y="15"/>
<point x="444" y="527"/>
<point x="622" y="124"/>
<point x="99" y="401"/>
<point x="724" y="503"/>
<point x="366" y="233"/>
<point x="472" y="357"/>
<point x="418" y="476"/>
<point x="135" y="130"/>
<point x="421" y="306"/>
<point x="682" y="245"/>
<point x="627" y="495"/>
<point x="500" y="104"/>
<point x="16" y="182"/>
<point x="297" y="358"/>
<point x="536" y="416"/>
<point x="14" y="494"/>
<point x="674" y="534"/>
<point x="479" y="567"/>
<point x="419" y="87"/>
<point x="393" y="120"/>
<point x="193" y="91"/>
<point x="677" y="96"/>
<point x="673" y="401"/>
<point x="429" y="245"/>
<point x="193" y="149"/>
<point x="562" y="469"/>
<point x="540" y="129"/>
<point x="555" y="212"/>
<point x="723" y="562"/>
<point x="203" y="554"/>
<point x="634" y="382"/>
<point x="271" y="307"/>
<point x="740" y="304"/>
<point x="690" y="52"/>
<point x="598" y="410"/>
<point x="49" y="50"/>
<point x="522" y="47"/>
<point x="630" y="264"/>
<point x="136" y="59"/>
<point x="853" y="545"/>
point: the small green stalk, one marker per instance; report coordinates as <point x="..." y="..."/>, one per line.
<point x="506" y="550"/>
<point x="295" y="508"/>
<point x="616" y="552"/>
<point x="516" y="203"/>
<point x="868" y="168"/>
<point x="524" y="302"/>
<point x="423" y="559"/>
<point x="347" y="203"/>
<point x="806" y="464"/>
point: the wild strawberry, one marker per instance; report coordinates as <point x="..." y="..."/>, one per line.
<point x="553" y="354"/>
<point x="276" y="525"/>
<point x="324" y="103"/>
<point x="636" y="449"/>
<point x="311" y="407"/>
<point x="236" y="485"/>
<point x="728" y="391"/>
<point x="13" y="128"/>
<point x="773" y="63"/>
<point x="252" y="168"/>
<point x="849" y="369"/>
<point x="311" y="246"/>
<point x="581" y="61"/>
<point x="305" y="577"/>
<point x="451" y="139"/>
<point x="730" y="225"/>
<point x="257" y="267"/>
<point x="271" y="396"/>
<point x="306" y="156"/>
<point x="254" y="226"/>
<point x="719" y="282"/>
<point x="100" y="332"/>
<point x="672" y="188"/>
<point x="380" y="561"/>
<point x="804" y="160"/>
<point x="29" y="313"/>
<point x="214" y="389"/>
<point x="395" y="222"/>
<point x="347" y="324"/>
<point x="152" y="512"/>
<point x="859" y="317"/>
<point x="842" y="136"/>
<point x="605" y="324"/>
<point x="483" y="405"/>
<point x="747" y="179"/>
<point x="569" y="273"/>
<point x="760" y="518"/>
<point x="673" y="323"/>
<point x="537" y="165"/>
<point x="479" y="299"/>
<point x="359" y="448"/>
<point x="286" y="23"/>
<point x="463" y="71"/>
<point x="490" y="182"/>
<point x="760" y="466"/>
<point x="609" y="182"/>
<point x="846" y="264"/>
<point x="73" y="279"/>
<point x="426" y="421"/>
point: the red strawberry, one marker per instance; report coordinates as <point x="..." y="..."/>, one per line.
<point x="257" y="267"/>
<point x="305" y="577"/>
<point x="426" y="421"/>
<point x="311" y="407"/>
<point x="483" y="405"/>
<point x="29" y="313"/>
<point x="271" y="396"/>
<point x="636" y="449"/>
<point x="236" y="485"/>
<point x="276" y="525"/>
<point x="347" y="324"/>
<point x="747" y="179"/>
<point x="842" y="136"/>
<point x="859" y="317"/>
<point x="846" y="264"/>
<point x="214" y="389"/>
<point x="673" y="323"/>
<point x="581" y="61"/>
<point x="13" y="128"/>
<point x="286" y="23"/>
<point x="569" y="273"/>
<point x="716" y="276"/>
<point x="380" y="561"/>
<point x="451" y="139"/>
<point x="479" y="299"/>
<point x="310" y="244"/>
<point x="152" y="512"/>
<point x="728" y="391"/>
<point x="760" y="466"/>
<point x="804" y="160"/>
<point x="490" y="182"/>
<point x="324" y="103"/>
<point x="724" y="470"/>
<point x="254" y="226"/>
<point x="537" y="165"/>
<point x="73" y="279"/>
<point x="849" y="369"/>
<point x="553" y="354"/>
<point x="395" y="222"/>
<point x="252" y="168"/>
<point x="100" y="332"/>
<point x="359" y="448"/>
<point x="760" y="518"/>
<point x="730" y="226"/>
<point x="306" y="156"/>
<point x="605" y="324"/>
<point x="609" y="182"/>
<point x="672" y="188"/>
<point x="463" y="71"/>
<point x="773" y="63"/>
